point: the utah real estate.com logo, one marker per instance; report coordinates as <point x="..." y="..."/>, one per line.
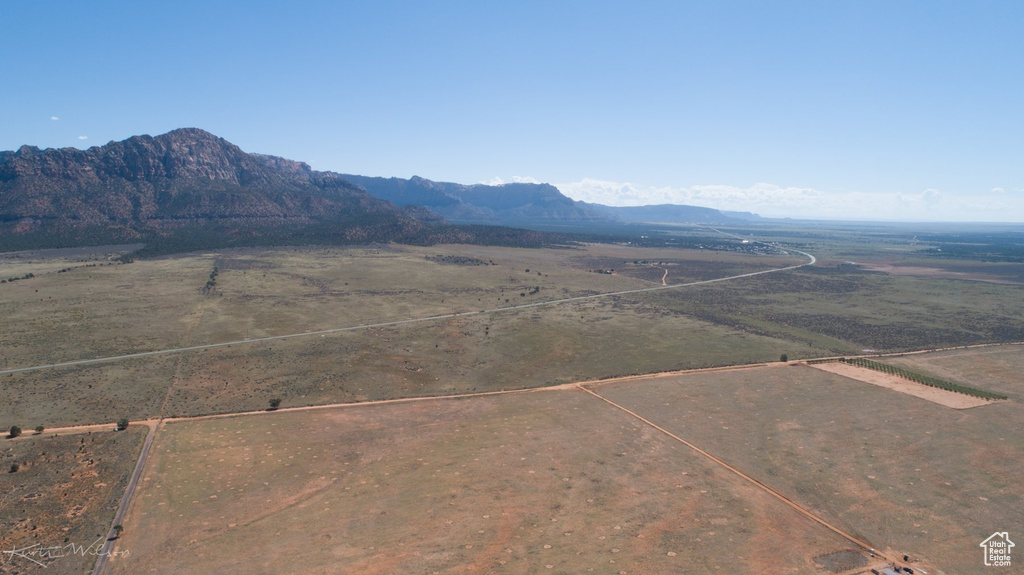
<point x="997" y="549"/>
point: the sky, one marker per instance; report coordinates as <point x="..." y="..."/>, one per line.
<point x="878" y="110"/>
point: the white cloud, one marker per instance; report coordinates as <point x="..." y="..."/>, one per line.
<point x="83" y="137"/>
<point x="770" y="200"/>
<point x="496" y="181"/>
<point x="998" y="191"/>
<point x="54" y="118"/>
<point x="931" y="196"/>
<point x="762" y="198"/>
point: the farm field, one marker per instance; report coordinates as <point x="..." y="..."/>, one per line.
<point x="996" y="368"/>
<point x="516" y="349"/>
<point x="368" y="486"/>
<point x="272" y="292"/>
<point x="64" y="493"/>
<point x="177" y="301"/>
<point x="895" y="470"/>
<point x="850" y="311"/>
<point x="548" y="481"/>
<point x="166" y="302"/>
<point x="900" y="383"/>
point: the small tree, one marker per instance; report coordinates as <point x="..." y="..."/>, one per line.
<point x="39" y="428"/>
<point x="14" y="468"/>
<point x="783" y="358"/>
<point x="122" y="424"/>
<point x="117" y="530"/>
<point x="275" y="403"/>
<point x="14" y="432"/>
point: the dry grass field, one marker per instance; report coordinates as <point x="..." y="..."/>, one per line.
<point x="541" y="482"/>
<point x="519" y="482"/>
<point x="532" y="482"/>
<point x="901" y="384"/>
<point x="898" y="471"/>
<point x="512" y="350"/>
<point x="162" y="303"/>
<point x="997" y="368"/>
<point x="151" y="305"/>
<point x="852" y="311"/>
<point x="43" y="262"/>
<point x="64" y="493"/>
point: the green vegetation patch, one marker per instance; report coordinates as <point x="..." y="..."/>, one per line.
<point x="921" y="378"/>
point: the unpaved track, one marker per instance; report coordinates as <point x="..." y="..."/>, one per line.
<point x="859" y="543"/>
<point x="811" y="260"/>
<point x="558" y="387"/>
<point x="104" y="552"/>
<point x="50" y="432"/>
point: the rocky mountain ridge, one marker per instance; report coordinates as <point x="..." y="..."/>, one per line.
<point x="192" y="184"/>
<point x="187" y="176"/>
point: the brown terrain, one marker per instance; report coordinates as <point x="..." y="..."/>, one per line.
<point x="902" y="385"/>
<point x="1006" y="273"/>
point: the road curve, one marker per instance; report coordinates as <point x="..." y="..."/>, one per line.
<point x="811" y="260"/>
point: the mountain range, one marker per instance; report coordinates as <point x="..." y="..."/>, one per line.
<point x="189" y="179"/>
<point x="524" y="204"/>
<point x="145" y="185"/>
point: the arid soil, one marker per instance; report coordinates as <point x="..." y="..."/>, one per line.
<point x="966" y="273"/>
<point x="896" y="383"/>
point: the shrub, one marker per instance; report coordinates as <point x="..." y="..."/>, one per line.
<point x="922" y="379"/>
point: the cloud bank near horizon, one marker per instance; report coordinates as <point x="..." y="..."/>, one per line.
<point x="769" y="200"/>
<point x="496" y="181"/>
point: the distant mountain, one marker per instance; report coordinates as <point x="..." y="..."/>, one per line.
<point x="746" y="216"/>
<point x="667" y="214"/>
<point x="146" y="186"/>
<point x="188" y="189"/>
<point x="521" y="203"/>
<point x="480" y="203"/>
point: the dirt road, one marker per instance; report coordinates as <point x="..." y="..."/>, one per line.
<point x="810" y="261"/>
<point x="104" y="552"/>
<point x="859" y="543"/>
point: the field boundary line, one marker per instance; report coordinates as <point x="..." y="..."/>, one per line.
<point x="74" y="429"/>
<point x="86" y="427"/>
<point x="396" y="400"/>
<point x="800" y="509"/>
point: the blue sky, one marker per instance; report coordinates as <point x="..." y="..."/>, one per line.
<point x="851" y="110"/>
